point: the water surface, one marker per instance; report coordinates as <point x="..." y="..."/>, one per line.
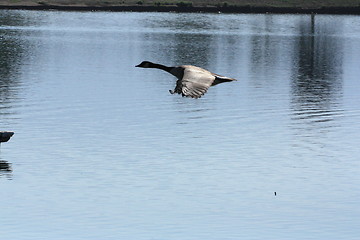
<point x="102" y="150"/>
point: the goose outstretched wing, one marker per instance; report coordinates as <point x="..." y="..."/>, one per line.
<point x="196" y="81"/>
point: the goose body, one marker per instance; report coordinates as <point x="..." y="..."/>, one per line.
<point x="192" y="81"/>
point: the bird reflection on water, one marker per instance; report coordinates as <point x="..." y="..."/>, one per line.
<point x="5" y="169"/>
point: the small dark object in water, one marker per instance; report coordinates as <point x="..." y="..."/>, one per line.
<point x="5" y="136"/>
<point x="275" y="193"/>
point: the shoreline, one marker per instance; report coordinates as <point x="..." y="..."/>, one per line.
<point x="343" y="10"/>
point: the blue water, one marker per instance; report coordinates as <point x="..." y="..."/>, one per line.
<point x="102" y="150"/>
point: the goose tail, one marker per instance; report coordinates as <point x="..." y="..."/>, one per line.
<point x="222" y="79"/>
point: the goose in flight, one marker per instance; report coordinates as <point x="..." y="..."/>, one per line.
<point x="192" y="81"/>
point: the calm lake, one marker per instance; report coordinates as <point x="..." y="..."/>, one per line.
<point x="102" y="150"/>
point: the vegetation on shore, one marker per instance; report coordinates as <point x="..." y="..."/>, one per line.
<point x="350" y="5"/>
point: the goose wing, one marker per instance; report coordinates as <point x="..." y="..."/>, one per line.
<point x="195" y="81"/>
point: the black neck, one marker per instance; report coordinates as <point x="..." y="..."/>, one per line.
<point x="162" y="67"/>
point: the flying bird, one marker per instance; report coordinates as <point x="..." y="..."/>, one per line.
<point x="192" y="81"/>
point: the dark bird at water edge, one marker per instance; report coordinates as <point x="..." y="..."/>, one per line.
<point x="5" y="136"/>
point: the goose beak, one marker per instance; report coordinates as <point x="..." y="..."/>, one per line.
<point x="137" y="65"/>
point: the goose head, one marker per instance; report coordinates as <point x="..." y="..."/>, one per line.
<point x="145" y="64"/>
